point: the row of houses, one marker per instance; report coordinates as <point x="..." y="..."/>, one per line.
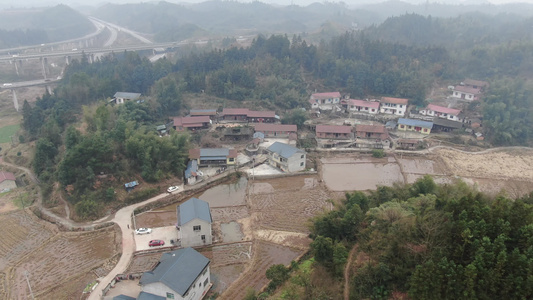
<point x="387" y="105"/>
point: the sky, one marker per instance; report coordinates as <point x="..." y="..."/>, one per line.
<point x="33" y="3"/>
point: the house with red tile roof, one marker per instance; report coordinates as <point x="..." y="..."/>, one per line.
<point x="466" y="92"/>
<point x="191" y="123"/>
<point x="354" y="105"/>
<point x="451" y="114"/>
<point x="393" y="106"/>
<point x="211" y="113"/>
<point x="275" y="130"/>
<point x="375" y="132"/>
<point x="7" y="181"/>
<point x="340" y="132"/>
<point x="324" y="100"/>
<point x="246" y="115"/>
<point x="262" y="116"/>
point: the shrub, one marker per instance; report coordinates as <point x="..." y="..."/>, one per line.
<point x="378" y="153"/>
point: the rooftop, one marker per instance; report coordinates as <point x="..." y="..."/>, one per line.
<point x="184" y="121"/>
<point x="363" y="103"/>
<point x="203" y="112"/>
<point x="326" y="95"/>
<point x="467" y="90"/>
<point x="284" y="150"/>
<point x="394" y="100"/>
<point x="177" y="269"/>
<point x="235" y="111"/>
<point x="6" y="176"/>
<point x="370" y="128"/>
<point x="191" y="209"/>
<point x="444" y="110"/>
<point x="211" y="152"/>
<point x="126" y="95"/>
<point x="415" y="123"/>
<point x="333" y="129"/>
<point x="261" y="114"/>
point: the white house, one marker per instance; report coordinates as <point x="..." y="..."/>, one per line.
<point x="466" y="92"/>
<point x="121" y="97"/>
<point x="442" y="112"/>
<point x="7" y="181"/>
<point x="181" y="274"/>
<point x="370" y="107"/>
<point x="285" y="157"/>
<point x="325" y="100"/>
<point x="393" y="106"/>
<point x="194" y="223"/>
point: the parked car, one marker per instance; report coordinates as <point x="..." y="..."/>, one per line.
<point x="173" y="188"/>
<point x="143" y="231"/>
<point x="154" y="243"/>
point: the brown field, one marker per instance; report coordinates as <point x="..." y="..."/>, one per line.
<point x="59" y="264"/>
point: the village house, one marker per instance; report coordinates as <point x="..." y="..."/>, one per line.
<point x="407" y="144"/>
<point x="445" y="125"/>
<point x="246" y="115"/>
<point x="286" y="158"/>
<point x="7" y="181"/>
<point x="371" y="136"/>
<point x="420" y="126"/>
<point x="334" y="132"/>
<point x="212" y="157"/>
<point x="191" y="174"/>
<point x="393" y="106"/>
<point x="122" y="97"/>
<point x="194" y="223"/>
<point x="179" y="275"/>
<point x="276" y="130"/>
<point x="211" y="113"/>
<point x="442" y="112"/>
<point x="237" y="133"/>
<point x="466" y="92"/>
<point x="324" y="100"/>
<point x="191" y="123"/>
<point x="476" y="84"/>
<point x="353" y="105"/>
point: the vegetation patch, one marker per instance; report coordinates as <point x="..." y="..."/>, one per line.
<point x="6" y="132"/>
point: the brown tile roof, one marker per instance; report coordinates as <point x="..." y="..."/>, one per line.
<point x="191" y="121"/>
<point x="333" y="129"/>
<point x="6" y="176"/>
<point x="275" y="127"/>
<point x="326" y="95"/>
<point x="467" y="90"/>
<point x="235" y="111"/>
<point x="370" y="128"/>
<point x="394" y="100"/>
<point x="203" y="112"/>
<point x="363" y="103"/>
<point x="444" y="110"/>
<point x="261" y="114"/>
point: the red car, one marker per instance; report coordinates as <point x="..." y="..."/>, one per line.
<point x="156" y="243"/>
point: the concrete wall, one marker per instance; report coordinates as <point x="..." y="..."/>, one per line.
<point x="295" y="162"/>
<point x="8" y="185"/>
<point x="191" y="238"/>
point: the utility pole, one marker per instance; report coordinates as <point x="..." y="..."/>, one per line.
<point x="28" y="281"/>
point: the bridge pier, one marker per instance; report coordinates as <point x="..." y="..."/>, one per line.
<point x="67" y="60"/>
<point x="44" y="63"/>
<point x="15" y="100"/>
<point x="49" y="89"/>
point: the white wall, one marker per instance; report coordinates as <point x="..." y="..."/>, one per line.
<point x="191" y="238"/>
<point x="195" y="292"/>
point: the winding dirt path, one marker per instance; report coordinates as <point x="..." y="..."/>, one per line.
<point x="347" y="272"/>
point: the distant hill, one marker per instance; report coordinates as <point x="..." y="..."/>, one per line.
<point x="36" y="26"/>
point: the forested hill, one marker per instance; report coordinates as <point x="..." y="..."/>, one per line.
<point x="38" y="26"/>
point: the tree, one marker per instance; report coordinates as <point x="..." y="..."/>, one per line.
<point x="277" y="274"/>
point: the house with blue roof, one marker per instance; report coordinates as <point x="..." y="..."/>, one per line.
<point x="180" y="274"/>
<point x="213" y="157"/>
<point x="420" y="126"/>
<point x="194" y="223"/>
<point x="286" y="157"/>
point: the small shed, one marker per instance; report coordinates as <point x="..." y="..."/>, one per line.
<point x="7" y="181"/>
<point x="131" y="185"/>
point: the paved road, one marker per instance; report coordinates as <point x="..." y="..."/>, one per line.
<point x="119" y="28"/>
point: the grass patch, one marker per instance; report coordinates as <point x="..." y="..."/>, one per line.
<point x="7" y="131"/>
<point x="22" y="200"/>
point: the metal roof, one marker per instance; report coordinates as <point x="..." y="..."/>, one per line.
<point x="284" y="150"/>
<point x="191" y="209"/>
<point x="192" y="168"/>
<point x="415" y="123"/>
<point x="123" y="297"/>
<point x="177" y="269"/>
<point x="125" y="95"/>
<point x="213" y="152"/>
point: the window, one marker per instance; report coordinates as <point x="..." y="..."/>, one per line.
<point x="301" y="164"/>
<point x="203" y="273"/>
<point x="203" y="237"/>
<point x="206" y="281"/>
<point x="170" y="295"/>
<point x="302" y="156"/>
<point x="197" y="228"/>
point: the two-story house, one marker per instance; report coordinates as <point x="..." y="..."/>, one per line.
<point x="393" y="106"/>
<point x="122" y="97"/>
<point x="194" y="223"/>
<point x="466" y="92"/>
<point x="324" y="100"/>
<point x="286" y="158"/>
<point x="442" y="112"/>
<point x="179" y="275"/>
<point x="212" y="157"/>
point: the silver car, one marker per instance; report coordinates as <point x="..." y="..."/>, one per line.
<point x="143" y="231"/>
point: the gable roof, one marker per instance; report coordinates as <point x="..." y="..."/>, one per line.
<point x="235" y="111"/>
<point x="363" y="103"/>
<point x="192" y="169"/>
<point x="191" y="121"/>
<point x="191" y="209"/>
<point x="394" y="100"/>
<point x="447" y="123"/>
<point x="415" y="123"/>
<point x="6" y="176"/>
<point x="284" y="150"/>
<point x="275" y="127"/>
<point x="203" y="153"/>
<point x="370" y="128"/>
<point x="123" y="297"/>
<point x="126" y="95"/>
<point x="467" y="89"/>
<point x="333" y="129"/>
<point x="326" y="95"/>
<point x="203" y="112"/>
<point x="261" y="114"/>
<point x="444" y="110"/>
<point x="177" y="269"/>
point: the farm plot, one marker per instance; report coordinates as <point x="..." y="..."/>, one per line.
<point x="286" y="204"/>
<point x="264" y="255"/>
<point x="152" y="219"/>
<point x="143" y="262"/>
<point x="64" y="264"/>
